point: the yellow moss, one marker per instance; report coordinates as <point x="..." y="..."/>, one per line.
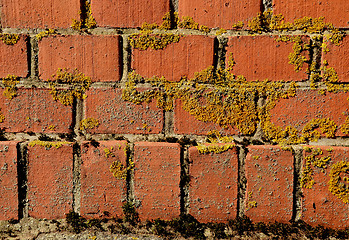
<point x="118" y="170"/>
<point x="108" y="152"/>
<point x="9" y="38"/>
<point x="166" y="22"/>
<point x="66" y="85"/>
<point x="204" y="29"/>
<point x="47" y="144"/>
<point x="214" y="148"/>
<point x="147" y="39"/>
<point x="221" y="31"/>
<point x="345" y="126"/>
<point x="338" y="185"/>
<point x="238" y="25"/>
<point x="10" y="86"/>
<point x="326" y="126"/>
<point x="45" y="33"/>
<point x="89" y="123"/>
<point x="188" y="23"/>
<point x="88" y="22"/>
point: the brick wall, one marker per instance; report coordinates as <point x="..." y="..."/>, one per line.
<point x="217" y="109"/>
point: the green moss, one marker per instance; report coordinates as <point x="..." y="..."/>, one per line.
<point x="10" y="86"/>
<point x="9" y="38"/>
<point x="66" y="85"/>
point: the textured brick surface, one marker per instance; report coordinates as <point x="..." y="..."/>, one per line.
<point x="96" y="56"/>
<point x="100" y="190"/>
<point x="132" y="13"/>
<point x="191" y="54"/>
<point x="337" y="58"/>
<point x="118" y="116"/>
<point x="319" y="205"/>
<point x="261" y="57"/>
<point x="308" y="105"/>
<point x="269" y="192"/>
<point x="39" y="14"/>
<point x="14" y="59"/>
<point x="222" y="13"/>
<point x="213" y="185"/>
<point x="50" y="181"/>
<point x="156" y="179"/>
<point x="184" y="123"/>
<point x="334" y="11"/>
<point x="34" y="110"/>
<point x="8" y="181"/>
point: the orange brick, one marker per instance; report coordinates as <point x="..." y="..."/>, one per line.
<point x="308" y="105"/>
<point x="131" y="13"/>
<point x="34" y="110"/>
<point x="14" y="60"/>
<point x="8" y="180"/>
<point x="156" y="179"/>
<point x="118" y="116"/>
<point x="39" y="14"/>
<point x="269" y="192"/>
<point x="191" y="54"/>
<point x="262" y="57"/>
<point x="222" y="14"/>
<point x="96" y="56"/>
<point x="334" y="11"/>
<point x="319" y="205"/>
<point x="213" y="185"/>
<point x="50" y="181"/>
<point x="100" y="191"/>
<point x="337" y="58"/>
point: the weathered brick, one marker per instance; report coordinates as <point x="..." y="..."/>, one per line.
<point x="100" y="191"/>
<point x="269" y="192"/>
<point x="14" y="60"/>
<point x="308" y="105"/>
<point x="97" y="56"/>
<point x="319" y="205"/>
<point x="222" y="14"/>
<point x="50" y="181"/>
<point x="39" y="14"/>
<point x="156" y="179"/>
<point x="118" y="116"/>
<point x="213" y="185"/>
<point x="191" y="54"/>
<point x="34" y="110"/>
<point x="334" y="11"/>
<point x="337" y="58"/>
<point x="184" y="123"/>
<point x="132" y="13"/>
<point x="8" y="180"/>
<point x="262" y="57"/>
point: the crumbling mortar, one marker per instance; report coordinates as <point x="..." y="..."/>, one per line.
<point x="242" y="180"/>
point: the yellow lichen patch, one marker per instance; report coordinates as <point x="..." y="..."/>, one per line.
<point x="238" y="25"/>
<point x="204" y="29"/>
<point x="252" y="204"/>
<point x="89" y="123"/>
<point x="147" y="39"/>
<point x="9" y="38"/>
<point x="118" y="170"/>
<point x="47" y="144"/>
<point x="188" y="23"/>
<point x="66" y="85"/>
<point x="52" y="127"/>
<point x="45" y="33"/>
<point x="339" y="184"/>
<point x="2" y="117"/>
<point x="87" y="22"/>
<point x="221" y="31"/>
<point x="326" y="126"/>
<point x="345" y="126"/>
<point x="214" y="148"/>
<point x="10" y="86"/>
<point x="108" y="152"/>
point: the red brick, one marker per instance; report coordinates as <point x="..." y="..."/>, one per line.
<point x="100" y="190"/>
<point x="191" y="54"/>
<point x="156" y="179"/>
<point x="34" y="110"/>
<point x="96" y="56"/>
<point x="50" y="181"/>
<point x="39" y="14"/>
<point x="213" y="185"/>
<point x="262" y="57"/>
<point x="309" y="105"/>
<point x="337" y="58"/>
<point x="319" y="205"/>
<point x="8" y="180"/>
<point x="132" y="13"/>
<point x="222" y="14"/>
<point x="184" y="123"/>
<point x="269" y="172"/>
<point x="118" y="116"/>
<point x="334" y="11"/>
<point x="14" y="59"/>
